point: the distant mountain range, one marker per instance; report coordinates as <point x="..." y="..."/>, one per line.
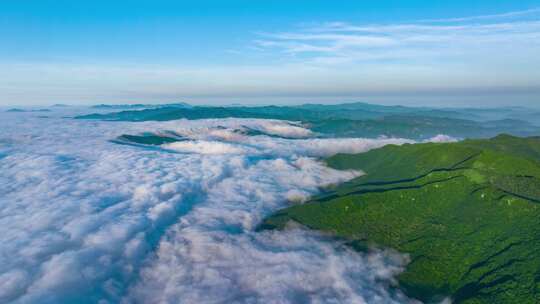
<point x="354" y="119"/>
<point x="17" y="110"/>
<point x="141" y="106"/>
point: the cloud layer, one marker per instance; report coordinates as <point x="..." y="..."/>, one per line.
<point x="86" y="220"/>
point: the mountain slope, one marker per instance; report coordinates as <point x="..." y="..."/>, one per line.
<point x="467" y="213"/>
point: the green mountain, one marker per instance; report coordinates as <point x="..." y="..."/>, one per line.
<point x="467" y="213"/>
<point x="140" y="106"/>
<point x="148" y="139"/>
<point x="356" y="119"/>
<point x="421" y="127"/>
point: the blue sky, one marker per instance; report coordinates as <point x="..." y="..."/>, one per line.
<point x="261" y="52"/>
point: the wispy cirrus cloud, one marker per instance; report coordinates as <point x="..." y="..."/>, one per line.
<point x="514" y="14"/>
<point x="461" y="39"/>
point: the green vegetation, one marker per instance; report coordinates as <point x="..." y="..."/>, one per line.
<point x="467" y="213"/>
<point x="355" y="119"/>
<point x="147" y="139"/>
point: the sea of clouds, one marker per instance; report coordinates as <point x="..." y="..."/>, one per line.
<point x="86" y="220"/>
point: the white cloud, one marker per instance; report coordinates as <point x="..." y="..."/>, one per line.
<point x="83" y="218"/>
<point x="441" y="138"/>
<point x="282" y="129"/>
<point x="529" y="12"/>
<point x="205" y="147"/>
<point x="257" y="269"/>
<point x="410" y="43"/>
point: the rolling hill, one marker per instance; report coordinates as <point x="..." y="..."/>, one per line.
<point x="467" y="213"/>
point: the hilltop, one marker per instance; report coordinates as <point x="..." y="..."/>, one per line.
<point x="467" y="213"/>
